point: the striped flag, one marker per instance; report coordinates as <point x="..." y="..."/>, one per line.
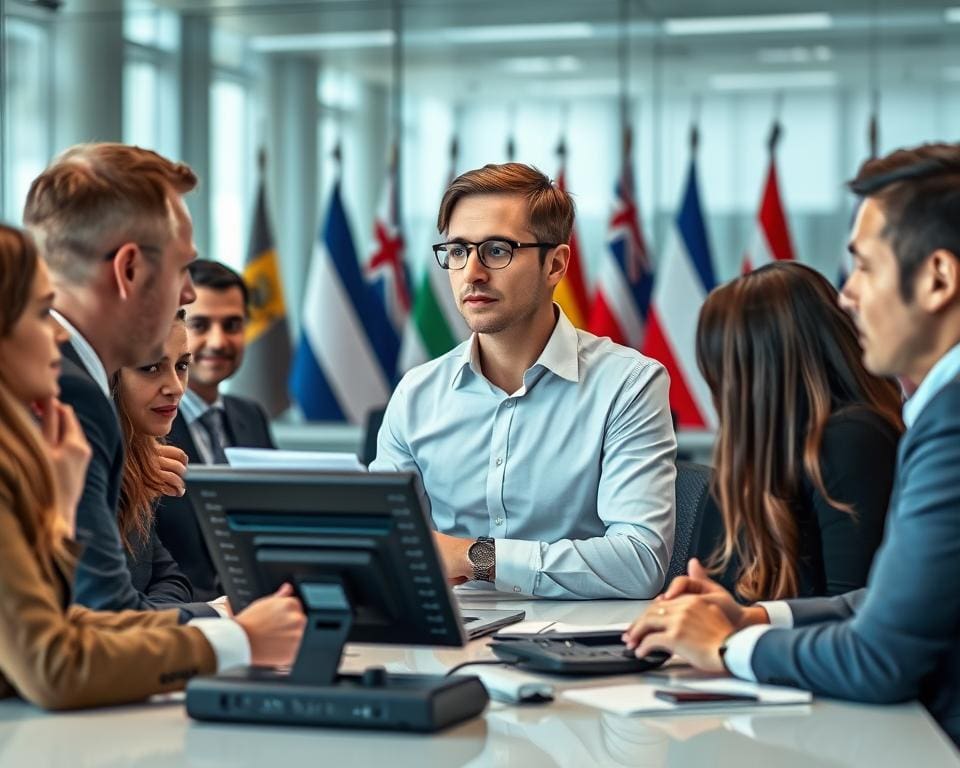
<point x="771" y="241"/>
<point x="435" y="325"/>
<point x="571" y="293"/>
<point x="263" y="376"/>
<point x="625" y="279"/>
<point x="684" y="278"/>
<point x="348" y="347"/>
<point x="386" y="270"/>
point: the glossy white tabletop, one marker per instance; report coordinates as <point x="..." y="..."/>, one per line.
<point x="159" y="734"/>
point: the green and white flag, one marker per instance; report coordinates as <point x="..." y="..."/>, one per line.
<point x="434" y="325"/>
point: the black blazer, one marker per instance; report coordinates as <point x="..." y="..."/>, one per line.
<point x="247" y="426"/>
<point x="857" y="459"/>
<point x="103" y="577"/>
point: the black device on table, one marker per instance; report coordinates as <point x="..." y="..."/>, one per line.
<point x="359" y="551"/>
<point x="581" y="653"/>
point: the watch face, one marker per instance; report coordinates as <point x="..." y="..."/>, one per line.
<point x="482" y="554"/>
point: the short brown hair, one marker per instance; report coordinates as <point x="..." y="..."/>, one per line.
<point x="919" y="191"/>
<point x="95" y="196"/>
<point x="549" y="209"/>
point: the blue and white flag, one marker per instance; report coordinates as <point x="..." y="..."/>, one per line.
<point x="348" y="347"/>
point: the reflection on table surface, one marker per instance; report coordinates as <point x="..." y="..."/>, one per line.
<point x="562" y="733"/>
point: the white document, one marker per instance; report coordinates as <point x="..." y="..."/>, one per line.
<point x="550" y="627"/>
<point x="639" y="698"/>
<point x="267" y="458"/>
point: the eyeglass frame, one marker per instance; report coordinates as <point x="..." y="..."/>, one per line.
<point x="515" y="245"/>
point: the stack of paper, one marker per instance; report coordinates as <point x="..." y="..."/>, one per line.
<point x="265" y="458"/>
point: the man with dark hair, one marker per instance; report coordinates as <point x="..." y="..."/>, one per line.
<point x="897" y="638"/>
<point x="546" y="452"/>
<point x="208" y="421"/>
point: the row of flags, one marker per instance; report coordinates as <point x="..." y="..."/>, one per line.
<point x="363" y="326"/>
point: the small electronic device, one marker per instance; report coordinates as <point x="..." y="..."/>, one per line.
<point x="703" y="697"/>
<point x="358" y="549"/>
<point x="584" y="653"/>
<point x="478" y="622"/>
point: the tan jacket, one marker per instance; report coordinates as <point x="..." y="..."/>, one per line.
<point x="65" y="657"/>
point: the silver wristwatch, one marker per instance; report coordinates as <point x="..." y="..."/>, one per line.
<point x="483" y="555"/>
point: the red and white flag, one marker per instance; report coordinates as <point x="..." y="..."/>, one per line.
<point x="771" y="241"/>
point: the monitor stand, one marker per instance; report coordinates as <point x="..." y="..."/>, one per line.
<point x="313" y="693"/>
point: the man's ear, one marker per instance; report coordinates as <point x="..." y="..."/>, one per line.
<point x="937" y="284"/>
<point x="558" y="259"/>
<point x="128" y="269"/>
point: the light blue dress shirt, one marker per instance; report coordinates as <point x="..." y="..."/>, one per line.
<point x="573" y="473"/>
<point x="740" y="647"/>
<point x="193" y="407"/>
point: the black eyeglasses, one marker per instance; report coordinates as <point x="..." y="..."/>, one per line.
<point x="113" y="254"/>
<point x="493" y="254"/>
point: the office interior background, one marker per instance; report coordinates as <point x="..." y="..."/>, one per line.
<point x="212" y="82"/>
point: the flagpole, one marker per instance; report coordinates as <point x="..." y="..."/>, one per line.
<point x="397" y="102"/>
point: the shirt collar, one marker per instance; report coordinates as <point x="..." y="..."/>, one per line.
<point x="946" y="369"/>
<point x="561" y="355"/>
<point x="192" y="406"/>
<point x="88" y="356"/>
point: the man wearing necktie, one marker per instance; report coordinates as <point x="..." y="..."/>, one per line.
<point x="209" y="421"/>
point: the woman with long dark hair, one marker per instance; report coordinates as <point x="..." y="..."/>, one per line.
<point x="807" y="441"/>
<point x="55" y="654"/>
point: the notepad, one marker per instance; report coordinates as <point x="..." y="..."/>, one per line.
<point x="639" y="698"/>
<point x="266" y="458"/>
<point x="549" y="627"/>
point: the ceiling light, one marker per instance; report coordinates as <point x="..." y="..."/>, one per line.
<point x="772" y="81"/>
<point x="328" y="41"/>
<point x="512" y="33"/>
<point x="725" y="25"/>
<point x="952" y="15"/>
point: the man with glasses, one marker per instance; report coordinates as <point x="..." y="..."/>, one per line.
<point x="210" y="421"/>
<point x="547" y="454"/>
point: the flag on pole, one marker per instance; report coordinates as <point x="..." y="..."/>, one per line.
<point x="435" y="325"/>
<point x="684" y="278"/>
<point x="263" y="376"/>
<point x="771" y="241"/>
<point x="625" y="278"/>
<point x="386" y="270"/>
<point x="571" y="293"/>
<point x="348" y="347"/>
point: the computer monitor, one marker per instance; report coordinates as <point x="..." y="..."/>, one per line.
<point x="359" y="551"/>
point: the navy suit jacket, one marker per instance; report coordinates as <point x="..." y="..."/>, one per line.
<point x="103" y="579"/>
<point x="898" y="638"/>
<point x="247" y="426"/>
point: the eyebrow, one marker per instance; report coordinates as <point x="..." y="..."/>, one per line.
<point x="48" y="298"/>
<point x="508" y="238"/>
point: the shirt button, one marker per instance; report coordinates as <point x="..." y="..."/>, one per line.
<point x="499" y="462"/>
<point x="516" y="589"/>
<point x="498" y="521"/>
<point x="509" y="403"/>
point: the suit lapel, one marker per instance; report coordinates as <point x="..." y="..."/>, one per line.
<point x="180" y="436"/>
<point x="238" y="425"/>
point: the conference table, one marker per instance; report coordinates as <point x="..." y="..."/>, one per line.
<point x="158" y="733"/>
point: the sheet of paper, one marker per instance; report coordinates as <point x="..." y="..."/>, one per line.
<point x="639" y="698"/>
<point x="265" y="458"/>
<point x="548" y="627"/>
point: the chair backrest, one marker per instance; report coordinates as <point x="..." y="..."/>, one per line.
<point x="693" y="490"/>
<point x="369" y="448"/>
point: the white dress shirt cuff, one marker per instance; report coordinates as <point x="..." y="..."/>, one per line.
<point x="221" y="606"/>
<point x="518" y="565"/>
<point x="229" y="641"/>
<point x="779" y="613"/>
<point x="739" y="653"/>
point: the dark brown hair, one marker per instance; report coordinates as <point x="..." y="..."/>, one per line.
<point x="780" y="357"/>
<point x="94" y="197"/>
<point x="919" y="192"/>
<point x="217" y="277"/>
<point x="141" y="485"/>
<point x="27" y="483"/>
<point x="550" y="210"/>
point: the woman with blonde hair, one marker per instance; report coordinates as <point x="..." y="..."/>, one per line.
<point x="52" y="653"/>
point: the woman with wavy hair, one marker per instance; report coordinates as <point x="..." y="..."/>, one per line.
<point x="55" y="654"/>
<point x="147" y="398"/>
<point x="806" y="447"/>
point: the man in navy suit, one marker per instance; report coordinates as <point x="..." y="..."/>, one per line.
<point x="209" y="422"/>
<point x="899" y="638"/>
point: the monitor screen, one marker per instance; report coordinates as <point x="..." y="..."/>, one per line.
<point x="358" y="540"/>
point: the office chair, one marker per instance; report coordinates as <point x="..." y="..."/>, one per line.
<point x="693" y="491"/>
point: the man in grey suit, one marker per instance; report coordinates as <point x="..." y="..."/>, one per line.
<point x="209" y="421"/>
<point x="899" y="638"/>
